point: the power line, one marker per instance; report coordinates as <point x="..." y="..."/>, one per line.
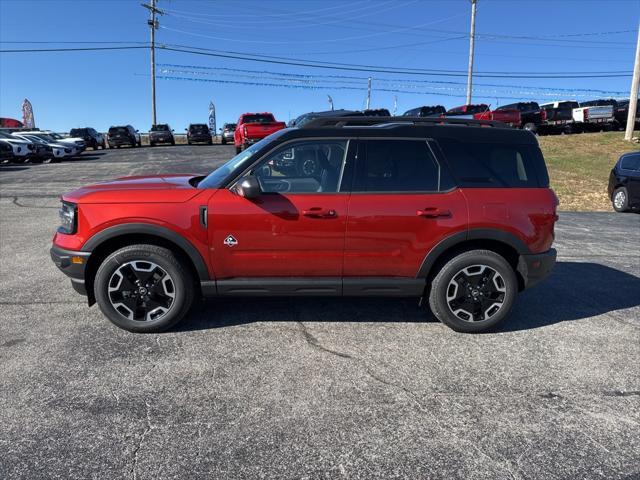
<point x="337" y="65"/>
<point x="77" y="49"/>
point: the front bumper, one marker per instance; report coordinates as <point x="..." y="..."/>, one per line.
<point x="72" y="264"/>
<point x="536" y="267"/>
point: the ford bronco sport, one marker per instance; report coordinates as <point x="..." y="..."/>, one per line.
<point x="456" y="212"/>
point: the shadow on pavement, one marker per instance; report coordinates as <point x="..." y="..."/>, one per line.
<point x="574" y="291"/>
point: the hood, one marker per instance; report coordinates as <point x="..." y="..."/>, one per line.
<point x="17" y="141"/>
<point x="150" y="189"/>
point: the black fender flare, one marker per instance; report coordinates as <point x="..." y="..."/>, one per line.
<point x="474" y="234"/>
<point x="155" y="230"/>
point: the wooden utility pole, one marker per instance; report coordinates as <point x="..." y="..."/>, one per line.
<point x="153" y="24"/>
<point x="633" y="96"/>
<point x="369" y="93"/>
<point x="472" y="41"/>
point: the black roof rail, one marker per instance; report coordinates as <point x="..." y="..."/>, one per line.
<point x="340" y="122"/>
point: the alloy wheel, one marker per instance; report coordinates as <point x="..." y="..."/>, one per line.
<point x="620" y="199"/>
<point x="141" y="291"/>
<point x="476" y="293"/>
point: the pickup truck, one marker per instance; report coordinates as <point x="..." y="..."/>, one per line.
<point x="253" y="127"/>
<point x="525" y="115"/>
<point x="483" y="112"/>
<point x="594" y="117"/>
<point x="620" y="110"/>
<point x="560" y="117"/>
<point x="470" y="111"/>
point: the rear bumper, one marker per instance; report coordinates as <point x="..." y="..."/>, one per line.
<point x="536" y="267"/>
<point x="72" y="264"/>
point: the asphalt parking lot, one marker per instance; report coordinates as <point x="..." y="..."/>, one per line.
<point x="313" y="388"/>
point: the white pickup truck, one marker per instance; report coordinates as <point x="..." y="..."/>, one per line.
<point x="594" y="116"/>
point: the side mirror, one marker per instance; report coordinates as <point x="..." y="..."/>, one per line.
<point x="249" y="187"/>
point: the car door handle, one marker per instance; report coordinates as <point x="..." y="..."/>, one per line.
<point x="318" y="212"/>
<point x="434" y="213"/>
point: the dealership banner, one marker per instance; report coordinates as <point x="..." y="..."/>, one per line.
<point x="27" y="114"/>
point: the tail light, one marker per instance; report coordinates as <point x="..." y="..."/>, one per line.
<point x="245" y="131"/>
<point x="543" y="115"/>
<point x="586" y="114"/>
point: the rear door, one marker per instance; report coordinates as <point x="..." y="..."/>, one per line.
<point x="295" y="228"/>
<point x="402" y="204"/>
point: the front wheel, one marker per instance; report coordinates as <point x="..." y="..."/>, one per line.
<point x="620" y="200"/>
<point x="473" y="291"/>
<point x="143" y="288"/>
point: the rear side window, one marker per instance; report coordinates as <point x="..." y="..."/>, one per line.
<point x="397" y="166"/>
<point x="491" y="165"/>
<point x="630" y="162"/>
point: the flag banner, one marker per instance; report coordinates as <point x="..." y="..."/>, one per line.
<point x="27" y="114"/>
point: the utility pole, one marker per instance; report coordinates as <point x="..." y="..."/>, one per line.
<point x="472" y="41"/>
<point x="369" y="93"/>
<point x="633" y="96"/>
<point x="153" y="24"/>
<point x="330" y="102"/>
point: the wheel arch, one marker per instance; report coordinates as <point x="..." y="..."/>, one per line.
<point x="111" y="239"/>
<point x="503" y="243"/>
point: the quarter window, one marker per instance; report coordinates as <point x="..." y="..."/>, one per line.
<point x="397" y="166"/>
<point x="304" y="167"/>
<point x="495" y="165"/>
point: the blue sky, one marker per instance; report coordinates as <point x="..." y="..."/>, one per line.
<point x="101" y="88"/>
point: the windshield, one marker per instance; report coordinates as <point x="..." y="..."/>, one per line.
<point x="78" y="132"/>
<point x="6" y="135"/>
<point x="113" y="130"/>
<point x="258" y="118"/>
<point x="199" y="128"/>
<point x="216" y="178"/>
<point x="160" y="128"/>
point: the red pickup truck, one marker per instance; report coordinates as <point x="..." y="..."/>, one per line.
<point x="253" y="127"/>
<point x="482" y="112"/>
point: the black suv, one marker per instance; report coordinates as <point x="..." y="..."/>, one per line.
<point x="199" y="133"/>
<point x="123" y="135"/>
<point x="624" y="183"/>
<point x="92" y="138"/>
<point x="161" y="133"/>
<point x="426" y="111"/>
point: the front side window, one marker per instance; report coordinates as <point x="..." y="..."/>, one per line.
<point x="312" y="166"/>
<point x="397" y="166"/>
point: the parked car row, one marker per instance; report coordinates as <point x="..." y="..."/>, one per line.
<point x="38" y="146"/>
<point x="553" y="117"/>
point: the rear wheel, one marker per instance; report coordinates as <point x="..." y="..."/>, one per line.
<point x="473" y="291"/>
<point x="223" y="141"/>
<point x="143" y="288"/>
<point x="620" y="199"/>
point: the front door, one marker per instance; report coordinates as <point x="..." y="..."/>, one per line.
<point x="295" y="228"/>
<point x="401" y="206"/>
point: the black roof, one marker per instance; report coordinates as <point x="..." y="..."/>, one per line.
<point x="420" y="127"/>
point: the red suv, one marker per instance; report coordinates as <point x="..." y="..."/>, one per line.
<point x="440" y="209"/>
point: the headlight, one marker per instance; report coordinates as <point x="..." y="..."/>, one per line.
<point x="68" y="218"/>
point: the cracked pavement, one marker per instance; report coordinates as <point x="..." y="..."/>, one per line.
<point x="313" y="388"/>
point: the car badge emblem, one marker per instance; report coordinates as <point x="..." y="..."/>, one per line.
<point x="230" y="241"/>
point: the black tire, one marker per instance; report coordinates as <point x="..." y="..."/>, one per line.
<point x="173" y="142"/>
<point x="210" y="142"/>
<point x="444" y="284"/>
<point x="223" y="141"/>
<point x="188" y="142"/>
<point x="620" y="200"/>
<point x="181" y="284"/>
<point x="238" y="149"/>
<point x="151" y="144"/>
